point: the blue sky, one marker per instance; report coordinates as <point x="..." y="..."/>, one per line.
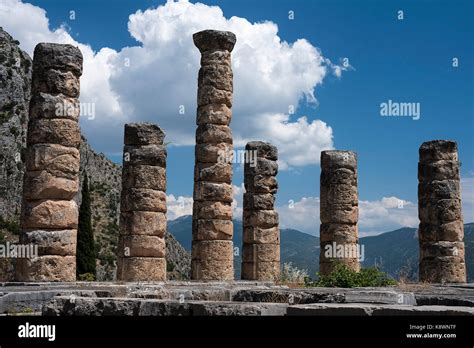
<point x="407" y="60"/>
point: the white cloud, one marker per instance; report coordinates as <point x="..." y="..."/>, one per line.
<point x="237" y="203"/>
<point x="270" y="77"/>
<point x="302" y="215"/>
<point x="385" y="215"/>
<point x="178" y="206"/>
<point x="374" y="216"/>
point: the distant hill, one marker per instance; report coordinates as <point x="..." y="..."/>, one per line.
<point x="396" y="252"/>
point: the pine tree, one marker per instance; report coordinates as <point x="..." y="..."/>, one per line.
<point x="85" y="254"/>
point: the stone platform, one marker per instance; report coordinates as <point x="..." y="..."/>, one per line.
<point x="230" y="298"/>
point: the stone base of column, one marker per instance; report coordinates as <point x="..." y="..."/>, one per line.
<point x="445" y="269"/>
<point x="339" y="211"/>
<point x="48" y="268"/>
<point x="133" y="269"/>
<point x="212" y="260"/>
<point x="263" y="270"/>
<point x="326" y="266"/>
<point x="141" y="250"/>
<point x="441" y="230"/>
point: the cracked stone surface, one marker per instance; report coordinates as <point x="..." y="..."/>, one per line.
<point x="51" y="181"/>
<point x="441" y="230"/>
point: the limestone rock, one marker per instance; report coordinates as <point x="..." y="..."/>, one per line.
<point x="152" y="155"/>
<point x="212" y="210"/>
<point x="214" y="40"/>
<point x="212" y="229"/>
<point x="219" y="114"/>
<point x="442" y="257"/>
<point x="214" y="153"/>
<point x="264" y="150"/>
<point x="54" y="214"/>
<point x="149" y="223"/>
<point x="144" y="177"/>
<point x="56" y="81"/>
<point x="339" y="210"/>
<point x="54" y="131"/>
<point x="213" y="172"/>
<point x="143" y="199"/>
<point x="45" y="105"/>
<point x="213" y="134"/>
<point x="52" y="242"/>
<point x="58" y="56"/>
<point x="141" y="246"/>
<point x="143" y="134"/>
<point x="209" y="191"/>
<point x="141" y="269"/>
<point x="47" y="268"/>
<point x="56" y="159"/>
<point x="43" y="185"/>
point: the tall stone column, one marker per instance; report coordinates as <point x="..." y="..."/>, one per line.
<point x="141" y="248"/>
<point x="261" y="235"/>
<point x="441" y="230"/>
<point x="339" y="210"/>
<point x="212" y="248"/>
<point x="49" y="215"/>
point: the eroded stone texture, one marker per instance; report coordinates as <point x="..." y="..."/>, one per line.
<point x="441" y="230"/>
<point x="261" y="235"/>
<point x="212" y="251"/>
<point x="339" y="211"/>
<point x="49" y="214"/>
<point x="141" y="247"/>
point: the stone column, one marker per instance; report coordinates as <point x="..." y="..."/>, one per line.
<point x="339" y="210"/>
<point x="261" y="236"/>
<point x="212" y="248"/>
<point x="441" y="231"/>
<point x="49" y="215"/>
<point x="141" y="248"/>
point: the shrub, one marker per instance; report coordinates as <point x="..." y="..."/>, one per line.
<point x="12" y="226"/>
<point x="86" y="277"/>
<point x="169" y="266"/>
<point x="14" y="131"/>
<point x="4" y="117"/>
<point x="344" y="277"/>
<point x="292" y="274"/>
<point x="85" y="256"/>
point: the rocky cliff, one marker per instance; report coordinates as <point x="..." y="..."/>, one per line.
<point x="15" y="76"/>
<point x="104" y="175"/>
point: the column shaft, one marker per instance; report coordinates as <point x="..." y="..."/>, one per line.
<point x="261" y="235"/>
<point x="212" y="248"/>
<point x="339" y="211"/>
<point x="141" y="248"/>
<point x="49" y="215"/>
<point x="441" y="230"/>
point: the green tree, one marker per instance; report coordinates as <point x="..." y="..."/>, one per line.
<point x="85" y="255"/>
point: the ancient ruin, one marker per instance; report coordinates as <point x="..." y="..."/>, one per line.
<point x="441" y="231"/>
<point x="261" y="235"/>
<point x="49" y="215"/>
<point x="339" y="210"/>
<point x="212" y="247"/>
<point x="141" y="248"/>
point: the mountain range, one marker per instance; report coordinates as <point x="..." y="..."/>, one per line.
<point x="394" y="252"/>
